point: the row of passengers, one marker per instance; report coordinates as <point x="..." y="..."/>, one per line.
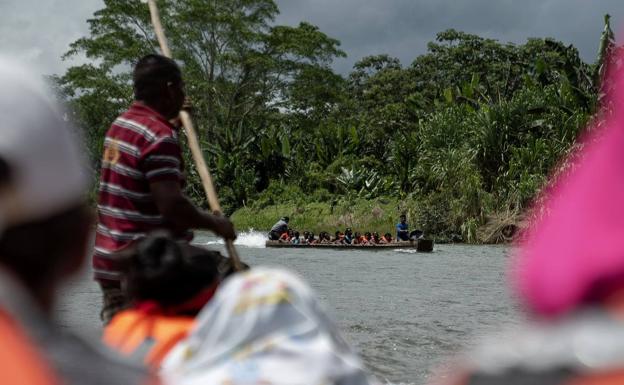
<point x="280" y="231"/>
<point x="347" y="238"/>
<point x="350" y="238"/>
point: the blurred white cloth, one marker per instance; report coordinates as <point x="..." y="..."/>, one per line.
<point x="264" y="326"/>
<point x="37" y="142"/>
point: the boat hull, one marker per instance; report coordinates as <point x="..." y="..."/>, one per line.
<point x="421" y="245"/>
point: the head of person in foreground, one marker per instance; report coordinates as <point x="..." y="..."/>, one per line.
<point x="44" y="217"/>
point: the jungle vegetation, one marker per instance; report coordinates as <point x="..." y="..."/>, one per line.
<point x="461" y="139"/>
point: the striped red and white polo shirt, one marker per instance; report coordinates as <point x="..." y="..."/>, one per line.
<point x="141" y="147"/>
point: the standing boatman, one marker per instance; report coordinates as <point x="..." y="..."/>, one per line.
<point x="403" y="229"/>
<point x="142" y="177"/>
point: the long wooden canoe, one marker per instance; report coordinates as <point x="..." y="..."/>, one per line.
<point x="421" y="245"/>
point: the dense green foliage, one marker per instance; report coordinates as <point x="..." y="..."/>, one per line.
<point x="468" y="131"/>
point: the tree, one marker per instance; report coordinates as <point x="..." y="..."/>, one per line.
<point x="240" y="70"/>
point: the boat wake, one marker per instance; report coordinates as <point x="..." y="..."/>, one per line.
<point x="406" y="251"/>
<point x="252" y="239"/>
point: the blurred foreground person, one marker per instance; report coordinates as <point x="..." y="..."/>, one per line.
<point x="168" y="283"/>
<point x="44" y="231"/>
<point x="142" y="177"/>
<point x="264" y="326"/>
<point x="571" y="284"/>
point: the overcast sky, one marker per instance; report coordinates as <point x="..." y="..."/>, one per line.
<point x="39" y="31"/>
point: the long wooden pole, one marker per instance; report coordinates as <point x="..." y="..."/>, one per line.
<point x="198" y="157"/>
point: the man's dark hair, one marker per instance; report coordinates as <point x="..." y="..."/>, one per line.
<point x="151" y="74"/>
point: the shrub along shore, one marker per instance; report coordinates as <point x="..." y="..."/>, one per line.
<point x="380" y="215"/>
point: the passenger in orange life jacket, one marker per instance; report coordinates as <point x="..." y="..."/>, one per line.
<point x="356" y="238"/>
<point x="387" y="238"/>
<point x="285" y="237"/>
<point x="169" y="283"/>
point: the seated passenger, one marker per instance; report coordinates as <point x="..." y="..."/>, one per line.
<point x="367" y="238"/>
<point x="285" y="237"/>
<point x="296" y="240"/>
<point x="312" y="240"/>
<point x="306" y="237"/>
<point x="264" y="326"/>
<point x="356" y="238"/>
<point x="168" y="282"/>
<point x="339" y="238"/>
<point x="348" y="236"/>
<point x="387" y="238"/>
<point x="278" y="229"/>
<point x="376" y="238"/>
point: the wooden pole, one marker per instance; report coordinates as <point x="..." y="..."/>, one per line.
<point x="198" y="157"/>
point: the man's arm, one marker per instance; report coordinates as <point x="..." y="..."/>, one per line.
<point x="183" y="214"/>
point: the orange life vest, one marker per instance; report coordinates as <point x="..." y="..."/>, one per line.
<point x="20" y="363"/>
<point x="284" y="237"/>
<point x="146" y="337"/>
<point x="615" y="377"/>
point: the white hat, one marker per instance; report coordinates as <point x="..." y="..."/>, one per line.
<point x="37" y="142"/>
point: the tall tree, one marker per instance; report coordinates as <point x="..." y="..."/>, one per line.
<point x="240" y="69"/>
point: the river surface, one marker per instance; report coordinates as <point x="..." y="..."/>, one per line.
<point x="406" y="313"/>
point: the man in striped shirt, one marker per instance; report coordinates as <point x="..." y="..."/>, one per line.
<point x="142" y="177"/>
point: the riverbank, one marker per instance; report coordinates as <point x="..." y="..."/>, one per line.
<point x="361" y="215"/>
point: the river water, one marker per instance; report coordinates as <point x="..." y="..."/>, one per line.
<point x="405" y="312"/>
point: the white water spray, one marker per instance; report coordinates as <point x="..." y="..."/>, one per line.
<point x="251" y="238"/>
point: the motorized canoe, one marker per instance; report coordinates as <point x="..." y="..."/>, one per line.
<point x="421" y="245"/>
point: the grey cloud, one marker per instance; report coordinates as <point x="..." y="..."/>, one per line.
<point x="402" y="28"/>
<point x="40" y="31"/>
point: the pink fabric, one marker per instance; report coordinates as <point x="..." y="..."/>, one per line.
<point x="580" y="239"/>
